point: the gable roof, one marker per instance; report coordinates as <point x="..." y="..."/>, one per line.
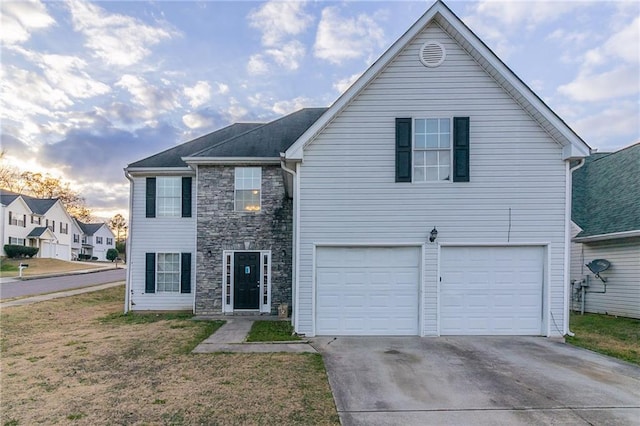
<point x="573" y="145"/>
<point x="7" y="197"/>
<point x="39" y="231"/>
<point x="266" y="141"/>
<point x="89" y="228"/>
<point x="172" y="157"/>
<point x="39" y="206"/>
<point x="606" y="193"/>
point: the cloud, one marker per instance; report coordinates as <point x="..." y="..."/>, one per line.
<point x="602" y="128"/>
<point x="622" y="81"/>
<point x="342" y="85"/>
<point x="223" y="89"/>
<point x="289" y="56"/>
<point x="257" y="65"/>
<point x="196" y="121"/>
<point x="199" y="94"/>
<point x="342" y="38"/>
<point x="286" y="107"/>
<point x="155" y="100"/>
<point x="278" y="20"/>
<point x="116" y="39"/>
<point x="20" y="18"/>
<point x="624" y="45"/>
<point x="528" y="14"/>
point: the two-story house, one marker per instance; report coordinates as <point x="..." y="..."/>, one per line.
<point x="95" y="240"/>
<point x="432" y="198"/>
<point x="45" y="223"/>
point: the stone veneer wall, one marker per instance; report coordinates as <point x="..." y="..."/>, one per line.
<point x="220" y="228"/>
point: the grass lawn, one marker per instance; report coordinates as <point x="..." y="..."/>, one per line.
<point x="80" y="360"/>
<point x="39" y="266"/>
<point x="614" y="336"/>
<point x="271" y="331"/>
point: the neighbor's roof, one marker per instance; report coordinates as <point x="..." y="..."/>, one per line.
<point x="37" y="205"/>
<point x="89" y="228"/>
<point x="266" y="141"/>
<point x="37" y="231"/>
<point x="573" y="146"/>
<point x="7" y="197"/>
<point x="172" y="157"/>
<point x="606" y="193"/>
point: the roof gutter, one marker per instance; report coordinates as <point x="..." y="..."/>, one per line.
<point x="196" y="161"/>
<point x="605" y="237"/>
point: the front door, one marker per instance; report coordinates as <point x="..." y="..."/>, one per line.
<point x="246" y="282"/>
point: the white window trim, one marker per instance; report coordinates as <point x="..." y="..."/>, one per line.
<point x="413" y="150"/>
<point x="228" y="256"/>
<point x="158" y="197"/>
<point x="235" y="170"/>
<point x="179" y="272"/>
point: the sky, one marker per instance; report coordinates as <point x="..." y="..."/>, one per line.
<point x="89" y="87"/>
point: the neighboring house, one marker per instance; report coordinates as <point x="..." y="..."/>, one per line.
<point x="36" y="222"/>
<point x="432" y="198"/>
<point x="96" y="239"/>
<point x="76" y="239"/>
<point x="606" y="225"/>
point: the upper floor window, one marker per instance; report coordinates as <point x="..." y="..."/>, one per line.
<point x="52" y="227"/>
<point x="169" y="196"/>
<point x="248" y="182"/>
<point x="98" y="240"/>
<point x="64" y="228"/>
<point x="84" y="240"/>
<point x="37" y="220"/>
<point x="432" y="150"/>
<point x="76" y="238"/>
<point x="17" y="220"/>
<point x="109" y="241"/>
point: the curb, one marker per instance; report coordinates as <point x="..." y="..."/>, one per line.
<point x="64" y="274"/>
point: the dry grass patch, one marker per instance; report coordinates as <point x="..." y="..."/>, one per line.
<point x="44" y="266"/>
<point x="77" y="360"/>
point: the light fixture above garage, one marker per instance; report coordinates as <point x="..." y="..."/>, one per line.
<point x="433" y="235"/>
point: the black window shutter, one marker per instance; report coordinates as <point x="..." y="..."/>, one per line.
<point x="403" y="150"/>
<point x="186" y="197"/>
<point x="150" y="273"/>
<point x="151" y="197"/>
<point x="24" y="220"/>
<point x="185" y="273"/>
<point x="461" y="149"/>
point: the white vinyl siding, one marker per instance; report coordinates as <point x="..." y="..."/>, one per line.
<point x="348" y="192"/>
<point x="623" y="276"/>
<point x="157" y="235"/>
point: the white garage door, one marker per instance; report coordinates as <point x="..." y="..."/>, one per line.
<point x="491" y="290"/>
<point x="367" y="291"/>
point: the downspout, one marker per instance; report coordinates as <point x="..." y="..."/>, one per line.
<point x="127" y="287"/>
<point x="294" y="239"/>
<point x="567" y="241"/>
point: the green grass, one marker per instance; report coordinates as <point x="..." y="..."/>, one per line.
<point x="618" y="337"/>
<point x="139" y="318"/>
<point x="7" y="267"/>
<point x="271" y="331"/>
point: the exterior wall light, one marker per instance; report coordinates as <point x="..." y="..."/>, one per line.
<point x="433" y="235"/>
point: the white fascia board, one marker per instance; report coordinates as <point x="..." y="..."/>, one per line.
<point x="604" y="237"/>
<point x="160" y="171"/>
<point x="197" y="161"/>
<point x="572" y="152"/>
<point x="24" y="204"/>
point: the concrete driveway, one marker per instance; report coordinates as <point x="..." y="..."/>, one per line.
<point x="477" y="381"/>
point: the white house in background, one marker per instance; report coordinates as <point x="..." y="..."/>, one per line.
<point x="432" y="198"/>
<point x="45" y="223"/>
<point x="96" y="240"/>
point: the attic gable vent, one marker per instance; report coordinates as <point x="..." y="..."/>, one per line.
<point x="432" y="54"/>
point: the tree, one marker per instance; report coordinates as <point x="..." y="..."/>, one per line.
<point x="119" y="224"/>
<point x="112" y="254"/>
<point x="9" y="175"/>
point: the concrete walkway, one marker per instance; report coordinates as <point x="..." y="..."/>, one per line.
<point x="57" y="295"/>
<point x="232" y="336"/>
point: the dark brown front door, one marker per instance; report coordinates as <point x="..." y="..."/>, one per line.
<point x="246" y="282"/>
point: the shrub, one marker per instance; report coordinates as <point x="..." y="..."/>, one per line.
<point x="84" y="256"/>
<point x="112" y="254"/>
<point x="94" y="258"/>
<point x="14" y="251"/>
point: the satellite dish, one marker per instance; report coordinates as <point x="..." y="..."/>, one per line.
<point x="597" y="266"/>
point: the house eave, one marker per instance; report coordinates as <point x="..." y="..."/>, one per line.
<point x="604" y="237"/>
<point x="202" y="161"/>
<point x="160" y="171"/>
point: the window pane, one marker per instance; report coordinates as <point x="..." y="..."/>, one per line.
<point x="444" y="173"/>
<point x="421" y="141"/>
<point x="432" y="141"/>
<point x="444" y="125"/>
<point x="420" y="158"/>
<point x="444" y="140"/>
<point x="421" y="126"/>
<point x="432" y="174"/>
<point x="169" y="195"/>
<point x="432" y="126"/>
<point x="432" y="158"/>
<point x="248" y="182"/>
<point x="444" y="157"/>
<point x="418" y="174"/>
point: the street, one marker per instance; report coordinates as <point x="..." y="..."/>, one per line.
<point x="33" y="287"/>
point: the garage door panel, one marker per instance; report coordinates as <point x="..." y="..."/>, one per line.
<point x="373" y="290"/>
<point x="491" y="290"/>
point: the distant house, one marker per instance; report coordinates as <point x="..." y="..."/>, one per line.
<point x="606" y="225"/>
<point x="429" y="199"/>
<point x="45" y="223"/>
<point x="96" y="240"/>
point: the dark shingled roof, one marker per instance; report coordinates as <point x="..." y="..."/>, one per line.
<point x="38" y="231"/>
<point x="7" y="197"/>
<point x="89" y="228"/>
<point x="606" y="193"/>
<point x="172" y="156"/>
<point x="39" y="205"/>
<point x="268" y="140"/>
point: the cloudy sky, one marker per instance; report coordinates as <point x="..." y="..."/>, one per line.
<point x="88" y="87"/>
